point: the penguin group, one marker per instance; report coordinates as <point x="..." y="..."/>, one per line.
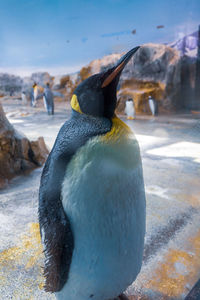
<point x="92" y="197"/>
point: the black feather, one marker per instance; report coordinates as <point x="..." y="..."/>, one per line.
<point x="58" y="236"/>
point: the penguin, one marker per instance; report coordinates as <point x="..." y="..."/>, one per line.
<point x="92" y="197"/>
<point x="130" y="109"/>
<point x="23" y="97"/>
<point x="153" y="106"/>
<point x="34" y="94"/>
<point x="48" y="100"/>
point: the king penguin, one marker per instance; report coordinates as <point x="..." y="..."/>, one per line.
<point x="48" y="99"/>
<point x="92" y="198"/>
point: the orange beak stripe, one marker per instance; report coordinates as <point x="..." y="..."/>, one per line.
<point x="110" y="78"/>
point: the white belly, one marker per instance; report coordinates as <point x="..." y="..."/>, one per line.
<point x="103" y="196"/>
<point x="129" y="109"/>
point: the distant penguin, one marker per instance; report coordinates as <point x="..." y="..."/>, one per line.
<point x="48" y="100"/>
<point x="23" y="97"/>
<point x="34" y="94"/>
<point x="153" y="106"/>
<point x="92" y="198"/>
<point x="130" y="109"/>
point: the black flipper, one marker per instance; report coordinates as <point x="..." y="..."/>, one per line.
<point x="55" y="227"/>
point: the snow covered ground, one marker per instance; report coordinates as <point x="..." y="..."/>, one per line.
<point x="170" y="151"/>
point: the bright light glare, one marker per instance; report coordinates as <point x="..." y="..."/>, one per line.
<point x="15" y="121"/>
<point x="147" y="140"/>
<point x="181" y="149"/>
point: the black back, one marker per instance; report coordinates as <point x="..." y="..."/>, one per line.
<point x="55" y="227"/>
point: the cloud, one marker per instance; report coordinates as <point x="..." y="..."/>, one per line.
<point x="125" y="32"/>
<point x="27" y="71"/>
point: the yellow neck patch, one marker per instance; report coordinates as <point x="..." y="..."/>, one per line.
<point x="119" y="128"/>
<point x="75" y="105"/>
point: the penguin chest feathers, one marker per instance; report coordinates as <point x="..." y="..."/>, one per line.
<point x="103" y="197"/>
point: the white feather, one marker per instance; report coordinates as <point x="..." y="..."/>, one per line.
<point x="103" y="196"/>
<point x="44" y="101"/>
<point x="130" y="109"/>
<point x="152" y="106"/>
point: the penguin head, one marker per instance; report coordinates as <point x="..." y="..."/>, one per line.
<point x="96" y="96"/>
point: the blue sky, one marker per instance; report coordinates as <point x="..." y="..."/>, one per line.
<point x="60" y="36"/>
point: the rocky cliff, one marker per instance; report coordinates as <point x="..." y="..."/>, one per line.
<point x="187" y="45"/>
<point x="189" y="50"/>
<point x="17" y="153"/>
<point x="154" y="70"/>
<point x="166" y="72"/>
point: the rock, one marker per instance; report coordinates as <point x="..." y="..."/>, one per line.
<point x="104" y="63"/>
<point x="139" y="92"/>
<point x="17" y="154"/>
<point x="65" y="85"/>
<point x="153" y="62"/>
<point x="40" y="151"/>
<point x="10" y="84"/>
<point x="189" y="50"/>
<point x="154" y="70"/>
<point x="168" y="73"/>
<point x="189" y="84"/>
<point x="56" y="82"/>
<point x="41" y="78"/>
<point x="188" y="45"/>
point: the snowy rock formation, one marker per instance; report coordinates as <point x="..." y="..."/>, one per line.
<point x="187" y="45"/>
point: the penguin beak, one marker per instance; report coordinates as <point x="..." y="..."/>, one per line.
<point x="115" y="72"/>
